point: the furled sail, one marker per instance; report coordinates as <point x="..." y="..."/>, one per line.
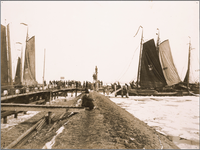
<point x="29" y="63"/>
<point x="18" y="73"/>
<point x="151" y="75"/>
<point x="167" y="63"/>
<point x="4" y="60"/>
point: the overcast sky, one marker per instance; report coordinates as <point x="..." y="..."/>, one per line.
<point x="79" y="35"/>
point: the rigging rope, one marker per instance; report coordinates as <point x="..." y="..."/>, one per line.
<point x="138" y="30"/>
<point x="129" y="64"/>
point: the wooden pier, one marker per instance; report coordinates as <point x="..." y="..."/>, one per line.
<point x="14" y="104"/>
<point x="31" y="107"/>
<point x="26" y="98"/>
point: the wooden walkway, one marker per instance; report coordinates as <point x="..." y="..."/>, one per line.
<point x="45" y="94"/>
<point x="32" y="107"/>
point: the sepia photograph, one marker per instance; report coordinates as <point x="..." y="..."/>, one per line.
<point x="100" y="75"/>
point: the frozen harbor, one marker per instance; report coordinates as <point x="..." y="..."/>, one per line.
<point x="177" y="117"/>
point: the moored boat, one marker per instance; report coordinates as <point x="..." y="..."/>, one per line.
<point x="157" y="72"/>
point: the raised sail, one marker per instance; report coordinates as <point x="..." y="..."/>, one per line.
<point x="191" y="77"/>
<point x="4" y="60"/>
<point x="18" y="73"/>
<point x="190" y="74"/>
<point x="29" y="63"/>
<point x="151" y="75"/>
<point x="167" y="63"/>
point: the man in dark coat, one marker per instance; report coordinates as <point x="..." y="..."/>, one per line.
<point x="87" y="101"/>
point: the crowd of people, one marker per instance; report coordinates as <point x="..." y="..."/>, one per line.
<point x="59" y="84"/>
<point x="72" y="84"/>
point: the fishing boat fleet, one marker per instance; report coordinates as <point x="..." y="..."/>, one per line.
<point x="157" y="74"/>
<point x="25" y="70"/>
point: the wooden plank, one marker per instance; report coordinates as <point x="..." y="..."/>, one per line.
<point x="20" y="95"/>
<point x="38" y="92"/>
<point x="38" y="102"/>
<point x="22" y="136"/>
<point x="56" y="122"/>
<point x="117" y="91"/>
<point x="7" y="113"/>
<point x="30" y="107"/>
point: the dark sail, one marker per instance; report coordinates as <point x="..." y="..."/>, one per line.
<point x="4" y="60"/>
<point x="18" y="73"/>
<point x="29" y="63"/>
<point x="151" y="75"/>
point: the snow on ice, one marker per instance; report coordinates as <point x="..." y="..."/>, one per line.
<point x="177" y="117"/>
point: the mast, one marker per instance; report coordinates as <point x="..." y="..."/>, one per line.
<point x="139" y="66"/>
<point x="158" y="40"/>
<point x="9" y="55"/>
<point x="188" y="65"/>
<point x="44" y="68"/>
<point x="21" y="62"/>
<point x="22" y="58"/>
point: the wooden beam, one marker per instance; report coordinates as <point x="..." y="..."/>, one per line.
<point x="116" y="91"/>
<point x="49" y="117"/>
<point x="38" y="92"/>
<point x="23" y="135"/>
<point x="31" y="107"/>
<point x="21" y="95"/>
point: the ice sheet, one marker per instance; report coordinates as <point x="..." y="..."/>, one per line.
<point x="174" y="116"/>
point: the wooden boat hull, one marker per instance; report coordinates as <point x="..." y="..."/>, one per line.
<point x="143" y="92"/>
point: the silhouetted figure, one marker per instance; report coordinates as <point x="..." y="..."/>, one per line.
<point x="87" y="101"/>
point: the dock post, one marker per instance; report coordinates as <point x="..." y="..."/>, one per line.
<point x="65" y="96"/>
<point x="5" y="120"/>
<point x="49" y="117"/>
<point x="72" y="93"/>
<point x="15" y="115"/>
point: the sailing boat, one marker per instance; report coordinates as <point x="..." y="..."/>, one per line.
<point x="29" y="63"/>
<point x="156" y="70"/>
<point x="6" y="65"/>
<point x="18" y="73"/>
<point x="25" y="75"/>
<point x="191" y="86"/>
<point x="4" y="59"/>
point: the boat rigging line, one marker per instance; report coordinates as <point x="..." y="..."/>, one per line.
<point x="134" y="52"/>
<point x="129" y="64"/>
<point x="139" y="65"/>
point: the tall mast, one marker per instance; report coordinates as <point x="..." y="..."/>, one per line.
<point x="188" y="73"/>
<point x="139" y="66"/>
<point x="44" y="68"/>
<point x="9" y="55"/>
<point x="158" y="40"/>
<point x="22" y="58"/>
<point x="21" y="61"/>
